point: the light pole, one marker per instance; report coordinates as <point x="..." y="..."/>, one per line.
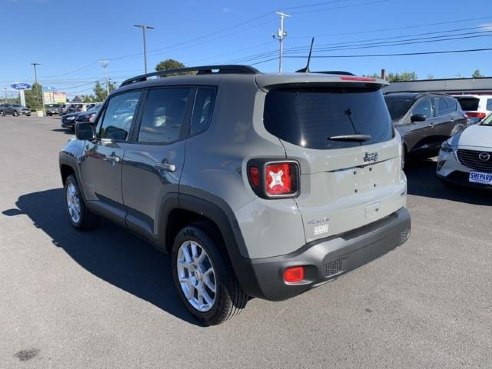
<point x="6" y="99"/>
<point x="104" y="64"/>
<point x="281" y="34"/>
<point x="34" y="64"/>
<point x="144" y="27"/>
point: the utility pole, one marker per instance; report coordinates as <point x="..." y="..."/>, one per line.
<point x="35" y="74"/>
<point x="281" y="34"/>
<point x="6" y="99"/>
<point x="34" y="64"/>
<point x="104" y="64"/>
<point x="144" y="27"/>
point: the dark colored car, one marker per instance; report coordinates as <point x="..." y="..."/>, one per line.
<point x="14" y="109"/>
<point x="424" y="120"/>
<point x="89" y="115"/>
<point x="52" y="109"/>
<point x="68" y="120"/>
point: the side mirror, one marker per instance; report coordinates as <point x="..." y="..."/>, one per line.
<point x="418" y="118"/>
<point x="84" y="131"/>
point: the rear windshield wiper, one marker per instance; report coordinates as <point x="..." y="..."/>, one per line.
<point x="350" y="138"/>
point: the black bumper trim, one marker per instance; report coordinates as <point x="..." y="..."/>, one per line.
<point x="325" y="260"/>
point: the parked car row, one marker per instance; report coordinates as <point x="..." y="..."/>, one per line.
<point x="14" y="109"/>
<point x="69" y="120"/>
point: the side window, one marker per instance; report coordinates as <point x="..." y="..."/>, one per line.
<point x="452" y="103"/>
<point x="118" y="117"/>
<point x="163" y="115"/>
<point x="442" y="107"/>
<point x="489" y="104"/>
<point x="202" y="110"/>
<point x="423" y="107"/>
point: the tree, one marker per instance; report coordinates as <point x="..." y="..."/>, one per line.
<point x="100" y="93"/>
<point x="404" y="76"/>
<point x="34" y="97"/>
<point x="169" y="64"/>
<point x="477" y="74"/>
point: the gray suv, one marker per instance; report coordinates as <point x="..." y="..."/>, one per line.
<point x="257" y="185"/>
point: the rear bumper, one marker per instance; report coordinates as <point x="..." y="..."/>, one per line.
<point x="324" y="260"/>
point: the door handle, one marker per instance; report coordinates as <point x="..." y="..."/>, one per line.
<point x="166" y="166"/>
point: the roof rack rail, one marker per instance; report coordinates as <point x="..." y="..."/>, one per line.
<point x="206" y="69"/>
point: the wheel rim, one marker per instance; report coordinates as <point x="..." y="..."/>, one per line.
<point x="73" y="203"/>
<point x="196" y="276"/>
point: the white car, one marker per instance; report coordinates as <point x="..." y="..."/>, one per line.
<point x="476" y="107"/>
<point x="466" y="157"/>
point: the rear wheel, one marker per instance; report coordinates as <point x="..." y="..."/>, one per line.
<point x="15" y="113"/>
<point x="80" y="217"/>
<point x="203" y="276"/>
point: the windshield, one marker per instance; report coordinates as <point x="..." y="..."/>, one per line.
<point x="487" y="121"/>
<point x="328" y="118"/>
<point x="398" y="106"/>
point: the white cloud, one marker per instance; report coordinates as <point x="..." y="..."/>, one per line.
<point x="486" y="27"/>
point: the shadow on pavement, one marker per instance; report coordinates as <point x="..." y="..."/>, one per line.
<point x="109" y="252"/>
<point x="422" y="181"/>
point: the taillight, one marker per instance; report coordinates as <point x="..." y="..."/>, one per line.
<point x="476" y="114"/>
<point x="271" y="179"/>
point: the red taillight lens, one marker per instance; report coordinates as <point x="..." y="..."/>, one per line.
<point x="254" y="176"/>
<point x="476" y="114"/>
<point x="274" y="179"/>
<point x="278" y="178"/>
<point x="294" y="274"/>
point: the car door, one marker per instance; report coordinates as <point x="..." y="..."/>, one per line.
<point x="153" y="162"/>
<point x="420" y="120"/>
<point x="102" y="157"/>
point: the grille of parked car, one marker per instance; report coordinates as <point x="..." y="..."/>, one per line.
<point x="477" y="160"/>
<point x="333" y="267"/>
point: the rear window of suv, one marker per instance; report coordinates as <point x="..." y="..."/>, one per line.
<point x="468" y="103"/>
<point x="309" y="117"/>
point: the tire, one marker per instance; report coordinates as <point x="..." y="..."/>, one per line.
<point x="204" y="277"/>
<point x="15" y="113"/>
<point x="2" y="113"/>
<point x="80" y="217"/>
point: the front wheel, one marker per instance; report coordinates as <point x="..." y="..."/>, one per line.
<point x="80" y="217"/>
<point x="203" y="276"/>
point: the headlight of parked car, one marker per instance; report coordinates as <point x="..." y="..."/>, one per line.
<point x="446" y="147"/>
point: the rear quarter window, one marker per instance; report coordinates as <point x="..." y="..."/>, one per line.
<point x="309" y="117"/>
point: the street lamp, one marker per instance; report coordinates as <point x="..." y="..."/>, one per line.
<point x="144" y="27"/>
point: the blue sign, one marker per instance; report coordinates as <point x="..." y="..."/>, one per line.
<point x="21" y="86"/>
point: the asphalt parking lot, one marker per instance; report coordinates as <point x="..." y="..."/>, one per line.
<point x="105" y="299"/>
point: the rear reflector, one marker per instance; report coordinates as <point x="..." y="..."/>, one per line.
<point x="294" y="274"/>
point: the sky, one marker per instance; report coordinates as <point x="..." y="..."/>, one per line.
<point x="69" y="39"/>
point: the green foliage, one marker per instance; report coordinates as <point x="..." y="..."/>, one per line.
<point x="477" y="74"/>
<point x="169" y="64"/>
<point x="100" y="93"/>
<point x="34" y="97"/>
<point x="404" y="76"/>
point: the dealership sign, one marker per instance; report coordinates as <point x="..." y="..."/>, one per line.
<point x="21" y="86"/>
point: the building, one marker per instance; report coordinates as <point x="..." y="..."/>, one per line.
<point x="455" y="86"/>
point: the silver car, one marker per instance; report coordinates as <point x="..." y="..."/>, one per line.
<point x="264" y="185"/>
